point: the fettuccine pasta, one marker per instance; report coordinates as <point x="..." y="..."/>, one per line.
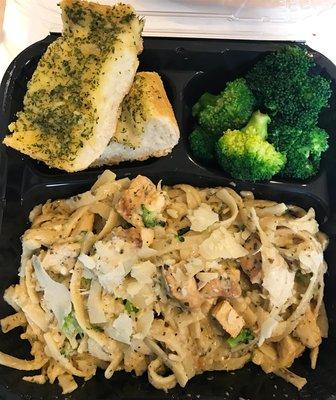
<point x="172" y="281"/>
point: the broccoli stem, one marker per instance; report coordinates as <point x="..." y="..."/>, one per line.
<point x="259" y="123"/>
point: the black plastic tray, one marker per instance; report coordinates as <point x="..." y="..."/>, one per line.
<point x="188" y="68"/>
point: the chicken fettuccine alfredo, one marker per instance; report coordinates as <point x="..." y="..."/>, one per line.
<point x="172" y="281"/>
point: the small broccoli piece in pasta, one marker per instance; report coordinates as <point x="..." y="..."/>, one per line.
<point x="149" y="219"/>
<point x="244" y="337"/>
<point x="71" y="327"/>
<point x="130" y="307"/>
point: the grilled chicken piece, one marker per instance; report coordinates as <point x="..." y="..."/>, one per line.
<point x="187" y="293"/>
<point x="184" y="288"/>
<point x="228" y="317"/>
<point x="141" y="196"/>
<point x="139" y="236"/>
<point x="181" y="287"/>
<point x="226" y="286"/>
<point x="288" y="350"/>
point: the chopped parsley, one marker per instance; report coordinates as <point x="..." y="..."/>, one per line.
<point x="97" y="328"/>
<point x="182" y="232"/>
<point x="180" y="238"/>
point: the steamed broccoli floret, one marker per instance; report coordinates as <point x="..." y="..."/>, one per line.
<point x="230" y="109"/>
<point x="284" y="87"/>
<point x="207" y="99"/>
<point x="303" y="148"/>
<point x="203" y="144"/>
<point x="246" y="154"/>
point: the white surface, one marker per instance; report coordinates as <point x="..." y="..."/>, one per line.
<point x="27" y="21"/>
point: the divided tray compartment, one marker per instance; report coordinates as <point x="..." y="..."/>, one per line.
<point x="188" y="67"/>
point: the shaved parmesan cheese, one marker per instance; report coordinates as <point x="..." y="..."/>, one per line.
<point x="134" y="287"/>
<point x="221" y="244"/>
<point x="87" y="274"/>
<point x="277" y="279"/>
<point x="28" y="248"/>
<point x="114" y="253"/>
<point x="205" y="277"/>
<point x="279" y="283"/>
<point x="143" y="272"/>
<point x="310" y="260"/>
<point x="87" y="261"/>
<point x="56" y="295"/>
<point x="95" y="305"/>
<point x="112" y="279"/>
<point x="194" y="266"/>
<point x="112" y="261"/>
<point x="61" y="258"/>
<point x="144" y="324"/>
<point x="121" y="329"/>
<point x="97" y="351"/>
<point x="144" y="298"/>
<point x="202" y="217"/>
<point x="266" y="329"/>
<point x="146" y="252"/>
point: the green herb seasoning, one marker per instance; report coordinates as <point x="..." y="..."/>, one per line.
<point x="59" y="106"/>
<point x="97" y="328"/>
<point x="131" y="122"/>
<point x="181" y="232"/>
<point x="137" y="107"/>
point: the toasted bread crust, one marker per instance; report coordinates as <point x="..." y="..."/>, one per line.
<point x="157" y="96"/>
<point x="157" y="107"/>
